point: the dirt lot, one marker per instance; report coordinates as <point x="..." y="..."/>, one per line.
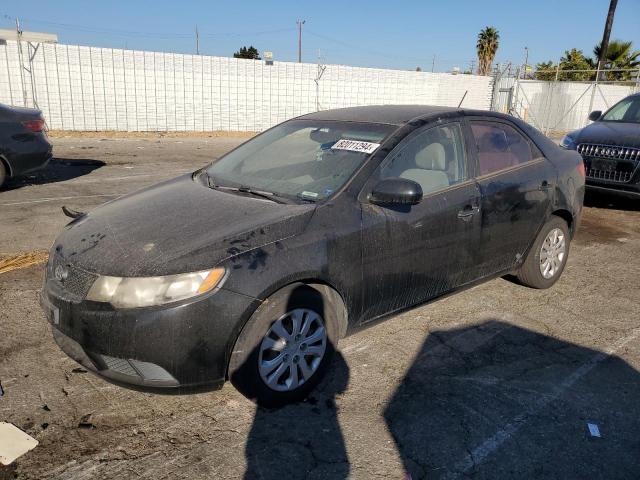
<point x="499" y="381"/>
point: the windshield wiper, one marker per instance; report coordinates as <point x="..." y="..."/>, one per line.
<point x="248" y="190"/>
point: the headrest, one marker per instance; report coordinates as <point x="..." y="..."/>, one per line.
<point x="432" y="157"/>
<point x="493" y="142"/>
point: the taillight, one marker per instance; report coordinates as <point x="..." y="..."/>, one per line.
<point x="581" y="170"/>
<point x="34" y="125"/>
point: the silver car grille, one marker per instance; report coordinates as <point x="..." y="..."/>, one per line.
<point x="608" y="151"/>
<point x="609" y="163"/>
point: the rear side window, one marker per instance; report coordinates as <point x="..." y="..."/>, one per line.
<point x="499" y="146"/>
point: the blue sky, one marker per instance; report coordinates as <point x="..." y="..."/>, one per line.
<point x="364" y="33"/>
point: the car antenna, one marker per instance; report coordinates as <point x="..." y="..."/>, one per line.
<point x="462" y="99"/>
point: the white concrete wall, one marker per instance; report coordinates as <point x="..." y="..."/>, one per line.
<point x="87" y="88"/>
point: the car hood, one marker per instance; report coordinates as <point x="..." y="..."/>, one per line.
<point x="175" y="227"/>
<point x="610" y="133"/>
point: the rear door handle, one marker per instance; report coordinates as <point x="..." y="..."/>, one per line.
<point x="469" y="211"/>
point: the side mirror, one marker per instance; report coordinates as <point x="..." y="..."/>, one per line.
<point x="396" y="191"/>
<point x="595" y="115"/>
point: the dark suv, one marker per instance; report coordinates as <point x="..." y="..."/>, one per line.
<point x="610" y="148"/>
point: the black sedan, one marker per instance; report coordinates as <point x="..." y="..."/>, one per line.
<point x="253" y="267"/>
<point x="610" y="147"/>
<point x="23" y="143"/>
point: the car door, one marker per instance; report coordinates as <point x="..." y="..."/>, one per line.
<point x="516" y="183"/>
<point x="414" y="253"/>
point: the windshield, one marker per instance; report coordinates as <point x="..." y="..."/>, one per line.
<point x="305" y="159"/>
<point x="627" y="110"/>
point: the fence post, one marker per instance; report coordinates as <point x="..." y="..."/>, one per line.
<point x="551" y="92"/>
<point x="496" y="82"/>
<point x="513" y="98"/>
<point x="593" y="93"/>
<point x="21" y="61"/>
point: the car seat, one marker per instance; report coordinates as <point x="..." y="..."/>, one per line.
<point x="431" y="168"/>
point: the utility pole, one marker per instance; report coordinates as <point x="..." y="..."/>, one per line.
<point x="300" y="23"/>
<point x="526" y="62"/>
<point x="604" y="44"/>
<point x="197" y="41"/>
<point x="472" y="66"/>
<point x="433" y="64"/>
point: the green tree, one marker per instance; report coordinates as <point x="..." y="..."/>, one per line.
<point x="251" y="53"/>
<point x="619" y="55"/>
<point x="546" y="71"/>
<point x="487" y="46"/>
<point x="574" y="60"/>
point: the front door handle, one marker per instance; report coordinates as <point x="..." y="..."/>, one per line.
<point x="544" y="185"/>
<point x="467" y="212"/>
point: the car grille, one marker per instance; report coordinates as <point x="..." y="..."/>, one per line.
<point x="611" y="176"/>
<point x="609" y="162"/>
<point x="76" y="282"/>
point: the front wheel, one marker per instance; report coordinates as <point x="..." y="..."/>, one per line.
<point x="285" y="348"/>
<point x="548" y="255"/>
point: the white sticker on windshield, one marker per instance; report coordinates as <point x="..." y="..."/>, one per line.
<point x="355" y="146"/>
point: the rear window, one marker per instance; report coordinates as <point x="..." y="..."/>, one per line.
<point x="499" y="146"/>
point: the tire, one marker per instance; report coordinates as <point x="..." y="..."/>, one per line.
<point x="251" y="351"/>
<point x="531" y="272"/>
<point x="3" y="173"/>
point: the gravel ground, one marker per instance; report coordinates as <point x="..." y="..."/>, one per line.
<point x="498" y="381"/>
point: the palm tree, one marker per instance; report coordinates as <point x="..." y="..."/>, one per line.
<point x="619" y="55"/>
<point x="488" y="41"/>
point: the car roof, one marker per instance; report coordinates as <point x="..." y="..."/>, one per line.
<point x="392" y="114"/>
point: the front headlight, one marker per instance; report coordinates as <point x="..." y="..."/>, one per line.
<point x="568" y="143"/>
<point x="135" y="292"/>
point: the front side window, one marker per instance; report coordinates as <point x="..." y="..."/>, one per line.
<point x="627" y="110"/>
<point x="434" y="158"/>
<point x="499" y="146"/>
<point x="303" y="159"/>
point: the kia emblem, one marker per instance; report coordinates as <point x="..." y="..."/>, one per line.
<point x="61" y="273"/>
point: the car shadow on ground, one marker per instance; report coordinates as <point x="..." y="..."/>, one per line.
<point x="611" y="201"/>
<point x="303" y="440"/>
<point x="57" y="170"/>
<point x="494" y="400"/>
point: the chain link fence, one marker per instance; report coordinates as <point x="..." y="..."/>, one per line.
<point x="554" y="105"/>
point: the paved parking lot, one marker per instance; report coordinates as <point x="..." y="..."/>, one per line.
<point x="499" y="381"/>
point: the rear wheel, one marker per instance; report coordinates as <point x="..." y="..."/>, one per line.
<point x="3" y="173"/>
<point x="548" y="255"/>
<point x="285" y="348"/>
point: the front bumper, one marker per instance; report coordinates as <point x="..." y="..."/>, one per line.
<point x="628" y="190"/>
<point x="183" y="345"/>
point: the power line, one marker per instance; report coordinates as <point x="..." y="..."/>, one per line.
<point x="129" y="33"/>
<point x="373" y="52"/>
